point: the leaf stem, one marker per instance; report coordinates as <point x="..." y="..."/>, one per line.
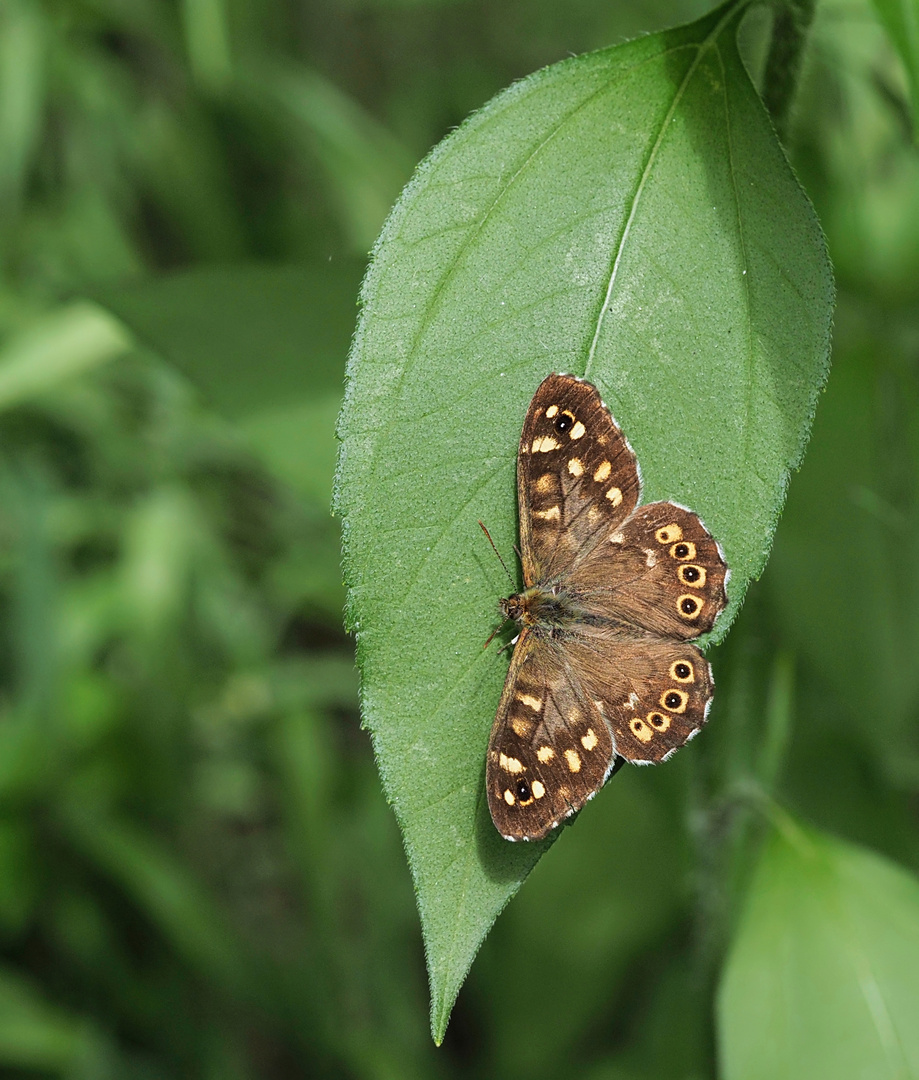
<point x="790" y="27"/>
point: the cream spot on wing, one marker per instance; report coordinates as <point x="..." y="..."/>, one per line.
<point x="574" y="762"/>
<point x="531" y="702"/>
<point x="552" y="411"/>
<point x="632" y="702"/>
<point x="590" y="740"/>
<point x="575" y="717"/>
<point x="575" y="467"/>
<point x="602" y="471"/>
<point x="509" y="797"/>
<point x="544" y="444"/>
<point x="545" y="483"/>
<point x="510" y="764"/>
<point x="577" y="431"/>
<point x="552" y="514"/>
<point x="650" y="557"/>
<point x="614" y="495"/>
<point x="522" y="727"/>
<point x="669" y="534"/>
<point x="545" y="754"/>
<point x="640" y="730"/>
<point x="537" y="789"/>
<point x="593" y="514"/>
<point x="617" y="538"/>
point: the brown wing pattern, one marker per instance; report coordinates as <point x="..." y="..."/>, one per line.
<point x="653" y="693"/>
<point x="603" y="669"/>
<point x="577" y="478"/>
<point x="550" y="749"/>
<point x="661" y="571"/>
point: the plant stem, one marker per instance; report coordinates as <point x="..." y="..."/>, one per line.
<point x="792" y="22"/>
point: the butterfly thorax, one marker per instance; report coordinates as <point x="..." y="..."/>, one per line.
<point x="542" y="608"/>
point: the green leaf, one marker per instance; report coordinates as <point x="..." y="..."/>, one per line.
<point x="250" y="337"/>
<point x="823" y="976"/>
<point x="36" y="1034"/>
<point x="627" y="216"/>
<point x="65" y="343"/>
<point x="901" y="21"/>
<point x="266" y="345"/>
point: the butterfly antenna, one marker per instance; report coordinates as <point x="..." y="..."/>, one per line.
<point x="500" y="560"/>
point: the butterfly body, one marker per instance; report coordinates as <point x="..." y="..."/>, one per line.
<point x="602" y="668"/>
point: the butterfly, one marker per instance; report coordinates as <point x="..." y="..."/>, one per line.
<point x="602" y="670"/>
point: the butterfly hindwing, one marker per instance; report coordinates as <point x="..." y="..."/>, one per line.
<point x="653" y="693"/>
<point x="660" y="571"/>
<point x="550" y="749"/>
<point x="577" y="478"/>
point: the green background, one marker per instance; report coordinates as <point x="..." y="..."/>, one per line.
<point x="199" y="874"/>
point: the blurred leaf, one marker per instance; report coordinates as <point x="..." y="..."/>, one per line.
<point x="178" y="157"/>
<point x="249" y="337"/>
<point x="65" y="343"/>
<point x="628" y="216"/>
<point x="18" y="884"/>
<point x="365" y="165"/>
<point x="860" y="482"/>
<point x="823" y="976"/>
<point x="901" y="20"/>
<point x="34" y="1034"/>
<point x="22" y="46"/>
<point x="207" y="41"/>
<point x="164" y="889"/>
<point x="297" y="442"/>
<point x="266" y="345"/>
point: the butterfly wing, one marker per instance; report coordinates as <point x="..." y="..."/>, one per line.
<point x="660" y="571"/>
<point x="550" y="749"/>
<point x="653" y="693"/>
<point x="577" y="477"/>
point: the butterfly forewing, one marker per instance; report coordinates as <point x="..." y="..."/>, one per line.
<point x="550" y="748"/>
<point x="577" y="478"/>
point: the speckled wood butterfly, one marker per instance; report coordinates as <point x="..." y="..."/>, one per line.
<point x="602" y="670"/>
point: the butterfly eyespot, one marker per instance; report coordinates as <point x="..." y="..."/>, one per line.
<point x="641" y="731"/>
<point x="524" y="792"/>
<point x="688" y="606"/>
<point x="659" y="721"/>
<point x="675" y="700"/>
<point x="683" y="551"/>
<point x="669" y="534"/>
<point x="690" y="574"/>
<point x="682" y="671"/>
<point x="563" y="422"/>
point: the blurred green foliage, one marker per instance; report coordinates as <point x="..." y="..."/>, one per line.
<point x="199" y="876"/>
